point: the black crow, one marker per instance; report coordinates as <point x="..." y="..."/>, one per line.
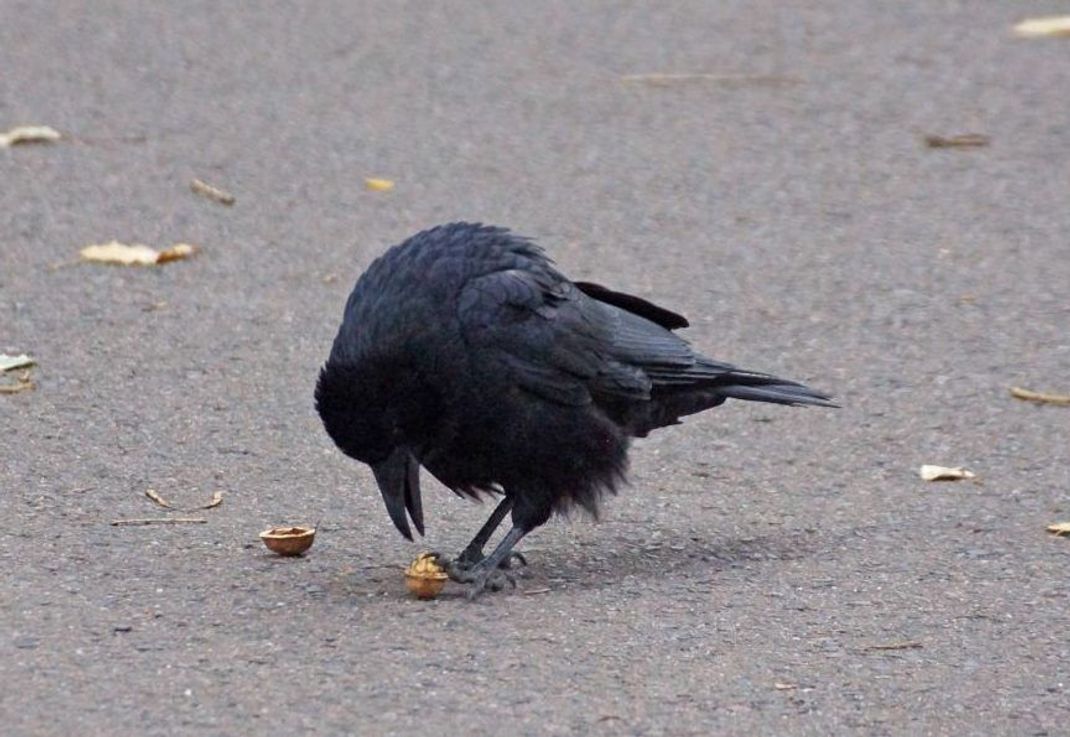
<point x="463" y="350"/>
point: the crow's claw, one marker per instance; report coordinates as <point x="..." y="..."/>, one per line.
<point x="477" y="577"/>
<point x="469" y="559"/>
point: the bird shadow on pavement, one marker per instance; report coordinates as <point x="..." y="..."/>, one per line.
<point x="621" y="556"/>
<point x="607" y="561"/>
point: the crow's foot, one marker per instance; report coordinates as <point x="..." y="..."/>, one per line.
<point x="477" y="576"/>
<point x="471" y="558"/>
<point x="491" y="572"/>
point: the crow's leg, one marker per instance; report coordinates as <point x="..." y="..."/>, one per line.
<point x="487" y="573"/>
<point x="473" y="551"/>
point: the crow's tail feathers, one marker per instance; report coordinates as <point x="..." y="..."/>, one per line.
<point x="764" y="388"/>
<point x="669" y="403"/>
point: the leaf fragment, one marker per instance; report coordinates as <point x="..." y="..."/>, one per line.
<point x="24" y="384"/>
<point x="120" y="253"/>
<point x="159" y="521"/>
<point x="664" y="79"/>
<point x="1039" y="397"/>
<point x="909" y="645"/>
<point x="945" y="473"/>
<point x="960" y="140"/>
<point x="136" y="254"/>
<point x="8" y="363"/>
<point x="29" y="134"/>
<point x="177" y="252"/>
<point x="215" y="501"/>
<point x="1059" y="529"/>
<point x="204" y="189"/>
<point x="151" y="494"/>
<point x="376" y="184"/>
<point x="1054" y="25"/>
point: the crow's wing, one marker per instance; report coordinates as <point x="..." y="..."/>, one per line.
<point x="568" y="347"/>
<point x="554" y="340"/>
<point x="635" y="305"/>
<point x="564" y="345"/>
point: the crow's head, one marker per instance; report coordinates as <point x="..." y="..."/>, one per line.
<point x="379" y="417"/>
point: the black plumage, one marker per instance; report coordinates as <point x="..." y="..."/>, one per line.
<point x="465" y="351"/>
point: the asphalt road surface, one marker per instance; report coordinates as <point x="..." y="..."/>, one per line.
<point x="769" y="570"/>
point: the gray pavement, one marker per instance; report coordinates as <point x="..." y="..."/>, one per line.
<point x="746" y="581"/>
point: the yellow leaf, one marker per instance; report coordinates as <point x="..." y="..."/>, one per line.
<point x="1055" y="25"/>
<point x="136" y="254"/>
<point x="29" y="134"/>
<point x="660" y="79"/>
<point x="1059" y="528"/>
<point x="7" y="363"/>
<point x="213" y="193"/>
<point x="943" y="473"/>
<point x="154" y="496"/>
<point x="378" y="185"/>
<point x="960" y="140"/>
<point x="1031" y="396"/>
<point x="176" y="252"/>
<point x="120" y="253"/>
<point x="22" y="385"/>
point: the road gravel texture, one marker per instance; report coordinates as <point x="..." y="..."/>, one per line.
<point x="770" y="571"/>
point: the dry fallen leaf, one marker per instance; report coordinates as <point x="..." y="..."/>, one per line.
<point x="177" y="252"/>
<point x="961" y="140"/>
<point x="944" y="473"/>
<point x="1061" y="529"/>
<point x="136" y="254"/>
<point x="29" y="134"/>
<point x="1056" y="25"/>
<point x="151" y="494"/>
<point x="213" y="193"/>
<point x="1039" y="398"/>
<point x="159" y="521"/>
<point x="378" y="185"/>
<point x="23" y="384"/>
<point x="8" y="363"/>
<point x="729" y="80"/>
<point x="911" y="645"/>
<point x="120" y="253"/>
<point x="215" y="501"/>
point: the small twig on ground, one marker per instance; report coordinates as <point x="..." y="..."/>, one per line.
<point x="911" y="645"/>
<point x="1031" y="396"/>
<point x="962" y="140"/>
<point x="151" y="494"/>
<point x="159" y="521"/>
<point x="206" y="190"/>
<point x="728" y="80"/>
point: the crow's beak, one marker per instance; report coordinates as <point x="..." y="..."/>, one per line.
<point x="399" y="483"/>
